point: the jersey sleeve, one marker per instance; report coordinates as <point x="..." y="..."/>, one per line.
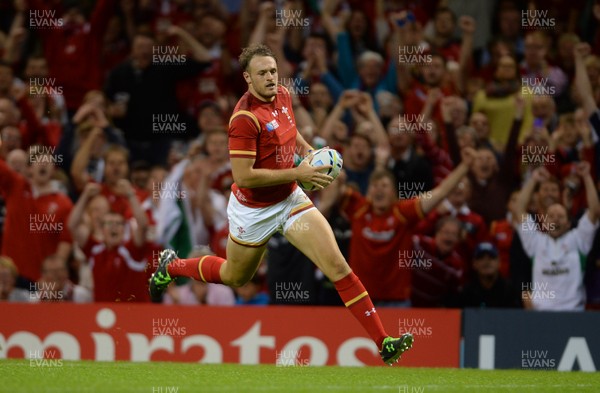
<point x="584" y="234"/>
<point x="66" y="207"/>
<point x="352" y="202"/>
<point x="8" y="179"/>
<point x="243" y="135"/>
<point x="409" y="211"/>
<point x="530" y="237"/>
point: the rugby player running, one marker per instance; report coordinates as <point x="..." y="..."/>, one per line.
<point x="266" y="198"/>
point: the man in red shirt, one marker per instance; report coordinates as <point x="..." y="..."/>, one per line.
<point x="118" y="266"/>
<point x="265" y="199"/>
<point x="116" y="168"/>
<point x="383" y="226"/>
<point x="36" y="214"/>
<point x="438" y="283"/>
<point x="73" y="51"/>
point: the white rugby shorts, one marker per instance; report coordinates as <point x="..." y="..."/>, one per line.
<point x="253" y="227"/>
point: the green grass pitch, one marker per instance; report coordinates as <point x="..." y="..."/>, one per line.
<point x="18" y="376"/>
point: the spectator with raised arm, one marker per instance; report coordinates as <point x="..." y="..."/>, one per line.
<point x="382" y="225"/>
<point x="557" y="252"/>
<point x="91" y="114"/>
<point x="412" y="170"/>
<point x="36" y="211"/>
<point x="492" y="181"/>
<point x="583" y="86"/>
<point x="74" y="52"/>
<point x="497" y="101"/>
<point x="118" y="265"/>
<point x="143" y="96"/>
<point x="191" y="210"/>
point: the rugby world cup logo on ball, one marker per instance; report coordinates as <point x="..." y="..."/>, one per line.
<point x="324" y="156"/>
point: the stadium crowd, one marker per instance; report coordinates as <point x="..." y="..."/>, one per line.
<point x="113" y="126"/>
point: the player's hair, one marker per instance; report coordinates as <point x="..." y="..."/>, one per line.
<point x="255" y="50"/>
<point x="444" y="10"/>
<point x="435" y="53"/>
<point x="541" y="35"/>
<point x="445" y="220"/>
<point x="368" y="56"/>
<point x="467" y="130"/>
<point x="140" y="165"/>
<point x="52" y="257"/>
<point x="113" y="213"/>
<point x="379" y="174"/>
<point x="567" y="119"/>
<point x="116" y="149"/>
<point x="8" y="263"/>
<point x="219" y="130"/>
<point x="36" y="56"/>
<point x="321" y="36"/>
<point x="551" y="179"/>
<point x="362" y="136"/>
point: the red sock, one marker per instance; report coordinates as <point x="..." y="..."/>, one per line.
<point x="206" y="268"/>
<point x="357" y="300"/>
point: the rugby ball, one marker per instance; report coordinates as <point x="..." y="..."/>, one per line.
<point x="324" y="156"/>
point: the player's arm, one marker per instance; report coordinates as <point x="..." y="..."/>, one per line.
<point x="79" y="230"/>
<point x="125" y="188"/>
<point x="63" y="250"/>
<point x="525" y="194"/>
<point x="82" y="159"/>
<point x="583" y="170"/>
<point x="246" y="176"/>
<point x="243" y="134"/>
<point x="303" y="147"/>
<point x="440" y="192"/>
<point x="582" y="80"/>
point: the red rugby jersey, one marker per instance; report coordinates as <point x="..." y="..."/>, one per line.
<point x="35" y="224"/>
<point x="118" y="272"/>
<point x="265" y="131"/>
<point x="378" y="242"/>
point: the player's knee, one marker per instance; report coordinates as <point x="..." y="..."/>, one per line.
<point x="336" y="266"/>
<point x="236" y="279"/>
<point x="237" y="282"/>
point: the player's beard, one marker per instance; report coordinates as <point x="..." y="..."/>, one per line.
<point x="266" y="93"/>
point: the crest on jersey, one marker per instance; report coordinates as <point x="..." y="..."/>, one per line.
<point x="272" y="125"/>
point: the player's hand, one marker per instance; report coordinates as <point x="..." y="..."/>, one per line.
<point x="447" y="106"/>
<point x="349" y="98"/>
<point x="582" y="49"/>
<point x="540" y="174"/>
<point x="91" y="190"/>
<point x="467" y="24"/>
<point x="468" y="155"/>
<point x="364" y="104"/>
<point x="124" y="188"/>
<point x="519" y="106"/>
<point x="307" y="173"/>
<point x="582" y="168"/>
<point x="266" y="9"/>
<point x="433" y="96"/>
